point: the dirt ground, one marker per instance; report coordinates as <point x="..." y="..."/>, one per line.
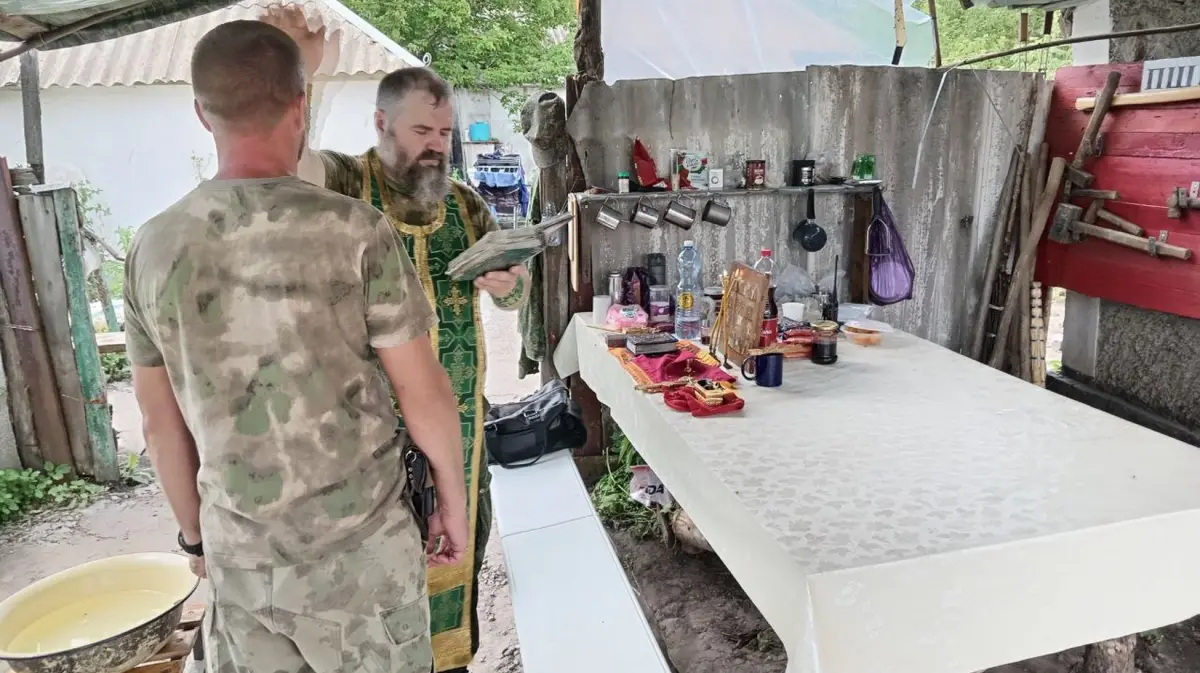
<point x="705" y="620"/>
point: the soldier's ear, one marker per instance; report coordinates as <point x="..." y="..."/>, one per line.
<point x="380" y="122"/>
<point x="200" y="115"/>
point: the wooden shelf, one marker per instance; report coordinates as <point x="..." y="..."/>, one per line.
<point x="708" y="193"/>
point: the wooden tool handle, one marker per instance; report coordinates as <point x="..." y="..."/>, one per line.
<point x="1135" y="242"/>
<point x="1120" y="223"/>
<point x="1144" y="98"/>
<point x="1088" y="141"/>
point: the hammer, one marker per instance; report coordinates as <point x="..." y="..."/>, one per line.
<point x="1087" y="144"/>
<point x="1068" y="228"/>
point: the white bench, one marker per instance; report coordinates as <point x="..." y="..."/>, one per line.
<point x="574" y="607"/>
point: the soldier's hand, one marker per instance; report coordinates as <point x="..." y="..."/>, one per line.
<point x="199" y="569"/>
<point x="447" y="536"/>
<point x="291" y="20"/>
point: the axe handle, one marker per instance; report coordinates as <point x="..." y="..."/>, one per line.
<point x="1135" y="242"/>
<point x="1103" y="101"/>
<point x="1120" y="223"/>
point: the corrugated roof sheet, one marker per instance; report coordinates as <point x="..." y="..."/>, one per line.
<point x="163" y="55"/>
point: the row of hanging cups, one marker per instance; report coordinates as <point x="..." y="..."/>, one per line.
<point x="714" y="212"/>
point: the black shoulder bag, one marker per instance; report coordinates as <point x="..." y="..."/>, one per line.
<point x="521" y="433"/>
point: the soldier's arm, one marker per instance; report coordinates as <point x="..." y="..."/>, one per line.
<point x="169" y="442"/>
<point x="399" y="319"/>
<point x="334" y="171"/>
<point x="509" y="289"/>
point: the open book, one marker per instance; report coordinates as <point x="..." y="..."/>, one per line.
<point x="500" y="250"/>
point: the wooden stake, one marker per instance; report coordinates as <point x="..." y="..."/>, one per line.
<point x="41" y="236"/>
<point x="87" y="357"/>
<point x="26" y="328"/>
<point x="937" y="38"/>
<point x="31" y="111"/>
<point x="1024" y="265"/>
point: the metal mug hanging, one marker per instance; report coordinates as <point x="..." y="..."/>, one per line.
<point x="680" y="215"/>
<point x="609" y="216"/>
<point x="715" y="212"/>
<point x="645" y="215"/>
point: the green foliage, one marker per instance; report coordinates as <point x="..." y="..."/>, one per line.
<point x="610" y="495"/>
<point x="983" y="30"/>
<point x="115" y="366"/>
<point x="22" y="491"/>
<point x="480" y="44"/>
<point x="114" y="271"/>
<point x="133" y="473"/>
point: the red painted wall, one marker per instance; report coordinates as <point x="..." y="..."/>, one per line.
<point x="1147" y="152"/>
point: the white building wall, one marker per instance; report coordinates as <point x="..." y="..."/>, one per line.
<point x="143" y="148"/>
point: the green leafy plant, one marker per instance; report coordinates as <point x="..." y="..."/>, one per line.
<point x="480" y="44"/>
<point x="984" y="30"/>
<point x="610" y="495"/>
<point x="115" y="366"/>
<point x="22" y="491"/>
<point x="114" y="271"/>
<point x="133" y="473"/>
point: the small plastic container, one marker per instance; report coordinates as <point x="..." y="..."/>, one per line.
<point x="660" y="305"/>
<point x="865" y="332"/>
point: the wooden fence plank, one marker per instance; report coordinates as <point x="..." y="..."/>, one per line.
<point x="87" y="357"/>
<point x="26" y="325"/>
<point x="18" y="393"/>
<point x="41" y="242"/>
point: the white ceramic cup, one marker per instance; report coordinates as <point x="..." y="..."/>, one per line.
<point x="600" y="305"/>
<point x="793" y="311"/>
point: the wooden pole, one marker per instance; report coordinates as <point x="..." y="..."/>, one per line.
<point x="18" y="393"/>
<point x="41" y="239"/>
<point x="87" y="357"/>
<point x="31" y="111"/>
<point x="937" y="38"/>
<point x="25" y="323"/>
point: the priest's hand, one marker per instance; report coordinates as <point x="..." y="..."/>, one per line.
<point x="291" y="20"/>
<point x="502" y="284"/>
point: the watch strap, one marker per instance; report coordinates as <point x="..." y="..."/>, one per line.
<point x="191" y="549"/>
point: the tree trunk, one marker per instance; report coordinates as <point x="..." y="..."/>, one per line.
<point x="1111" y="656"/>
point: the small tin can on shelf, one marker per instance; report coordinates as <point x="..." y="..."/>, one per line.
<point x="756" y="174"/>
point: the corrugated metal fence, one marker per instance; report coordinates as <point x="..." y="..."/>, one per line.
<point x="829" y="114"/>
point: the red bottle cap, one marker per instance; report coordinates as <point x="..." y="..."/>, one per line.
<point x="766" y="252"/>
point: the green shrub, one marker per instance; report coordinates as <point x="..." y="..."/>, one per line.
<point x="24" y="490"/>
<point x="610" y="495"/>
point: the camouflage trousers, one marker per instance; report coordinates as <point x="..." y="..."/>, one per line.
<point x="363" y="610"/>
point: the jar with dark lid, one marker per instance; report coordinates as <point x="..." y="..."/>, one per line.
<point x="824" y="347"/>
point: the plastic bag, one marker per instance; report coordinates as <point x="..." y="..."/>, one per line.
<point x="793" y="284"/>
<point x="827" y="281"/>
<point x="892" y="273"/>
<point x="645" y="487"/>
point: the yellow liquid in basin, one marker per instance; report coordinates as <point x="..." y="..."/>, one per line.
<point x="90" y="619"/>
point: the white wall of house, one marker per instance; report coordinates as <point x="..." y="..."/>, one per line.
<point x="143" y="148"/>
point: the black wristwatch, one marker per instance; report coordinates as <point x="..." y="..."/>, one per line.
<point x="191" y="549"/>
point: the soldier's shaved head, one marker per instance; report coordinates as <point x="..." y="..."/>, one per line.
<point x="246" y="75"/>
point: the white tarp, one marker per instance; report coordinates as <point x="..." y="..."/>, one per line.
<point x="674" y="39"/>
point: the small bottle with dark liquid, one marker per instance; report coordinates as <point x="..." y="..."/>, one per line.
<point x="824" y="347"/>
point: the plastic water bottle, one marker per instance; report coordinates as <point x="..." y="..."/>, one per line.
<point x="687" y="310"/>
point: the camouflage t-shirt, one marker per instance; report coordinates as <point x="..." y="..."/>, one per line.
<point x="264" y="299"/>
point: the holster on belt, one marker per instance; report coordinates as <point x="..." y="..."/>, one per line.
<point x="419" y="493"/>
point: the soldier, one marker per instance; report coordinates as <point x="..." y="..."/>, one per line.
<point x="406" y="175"/>
<point x="259" y="309"/>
